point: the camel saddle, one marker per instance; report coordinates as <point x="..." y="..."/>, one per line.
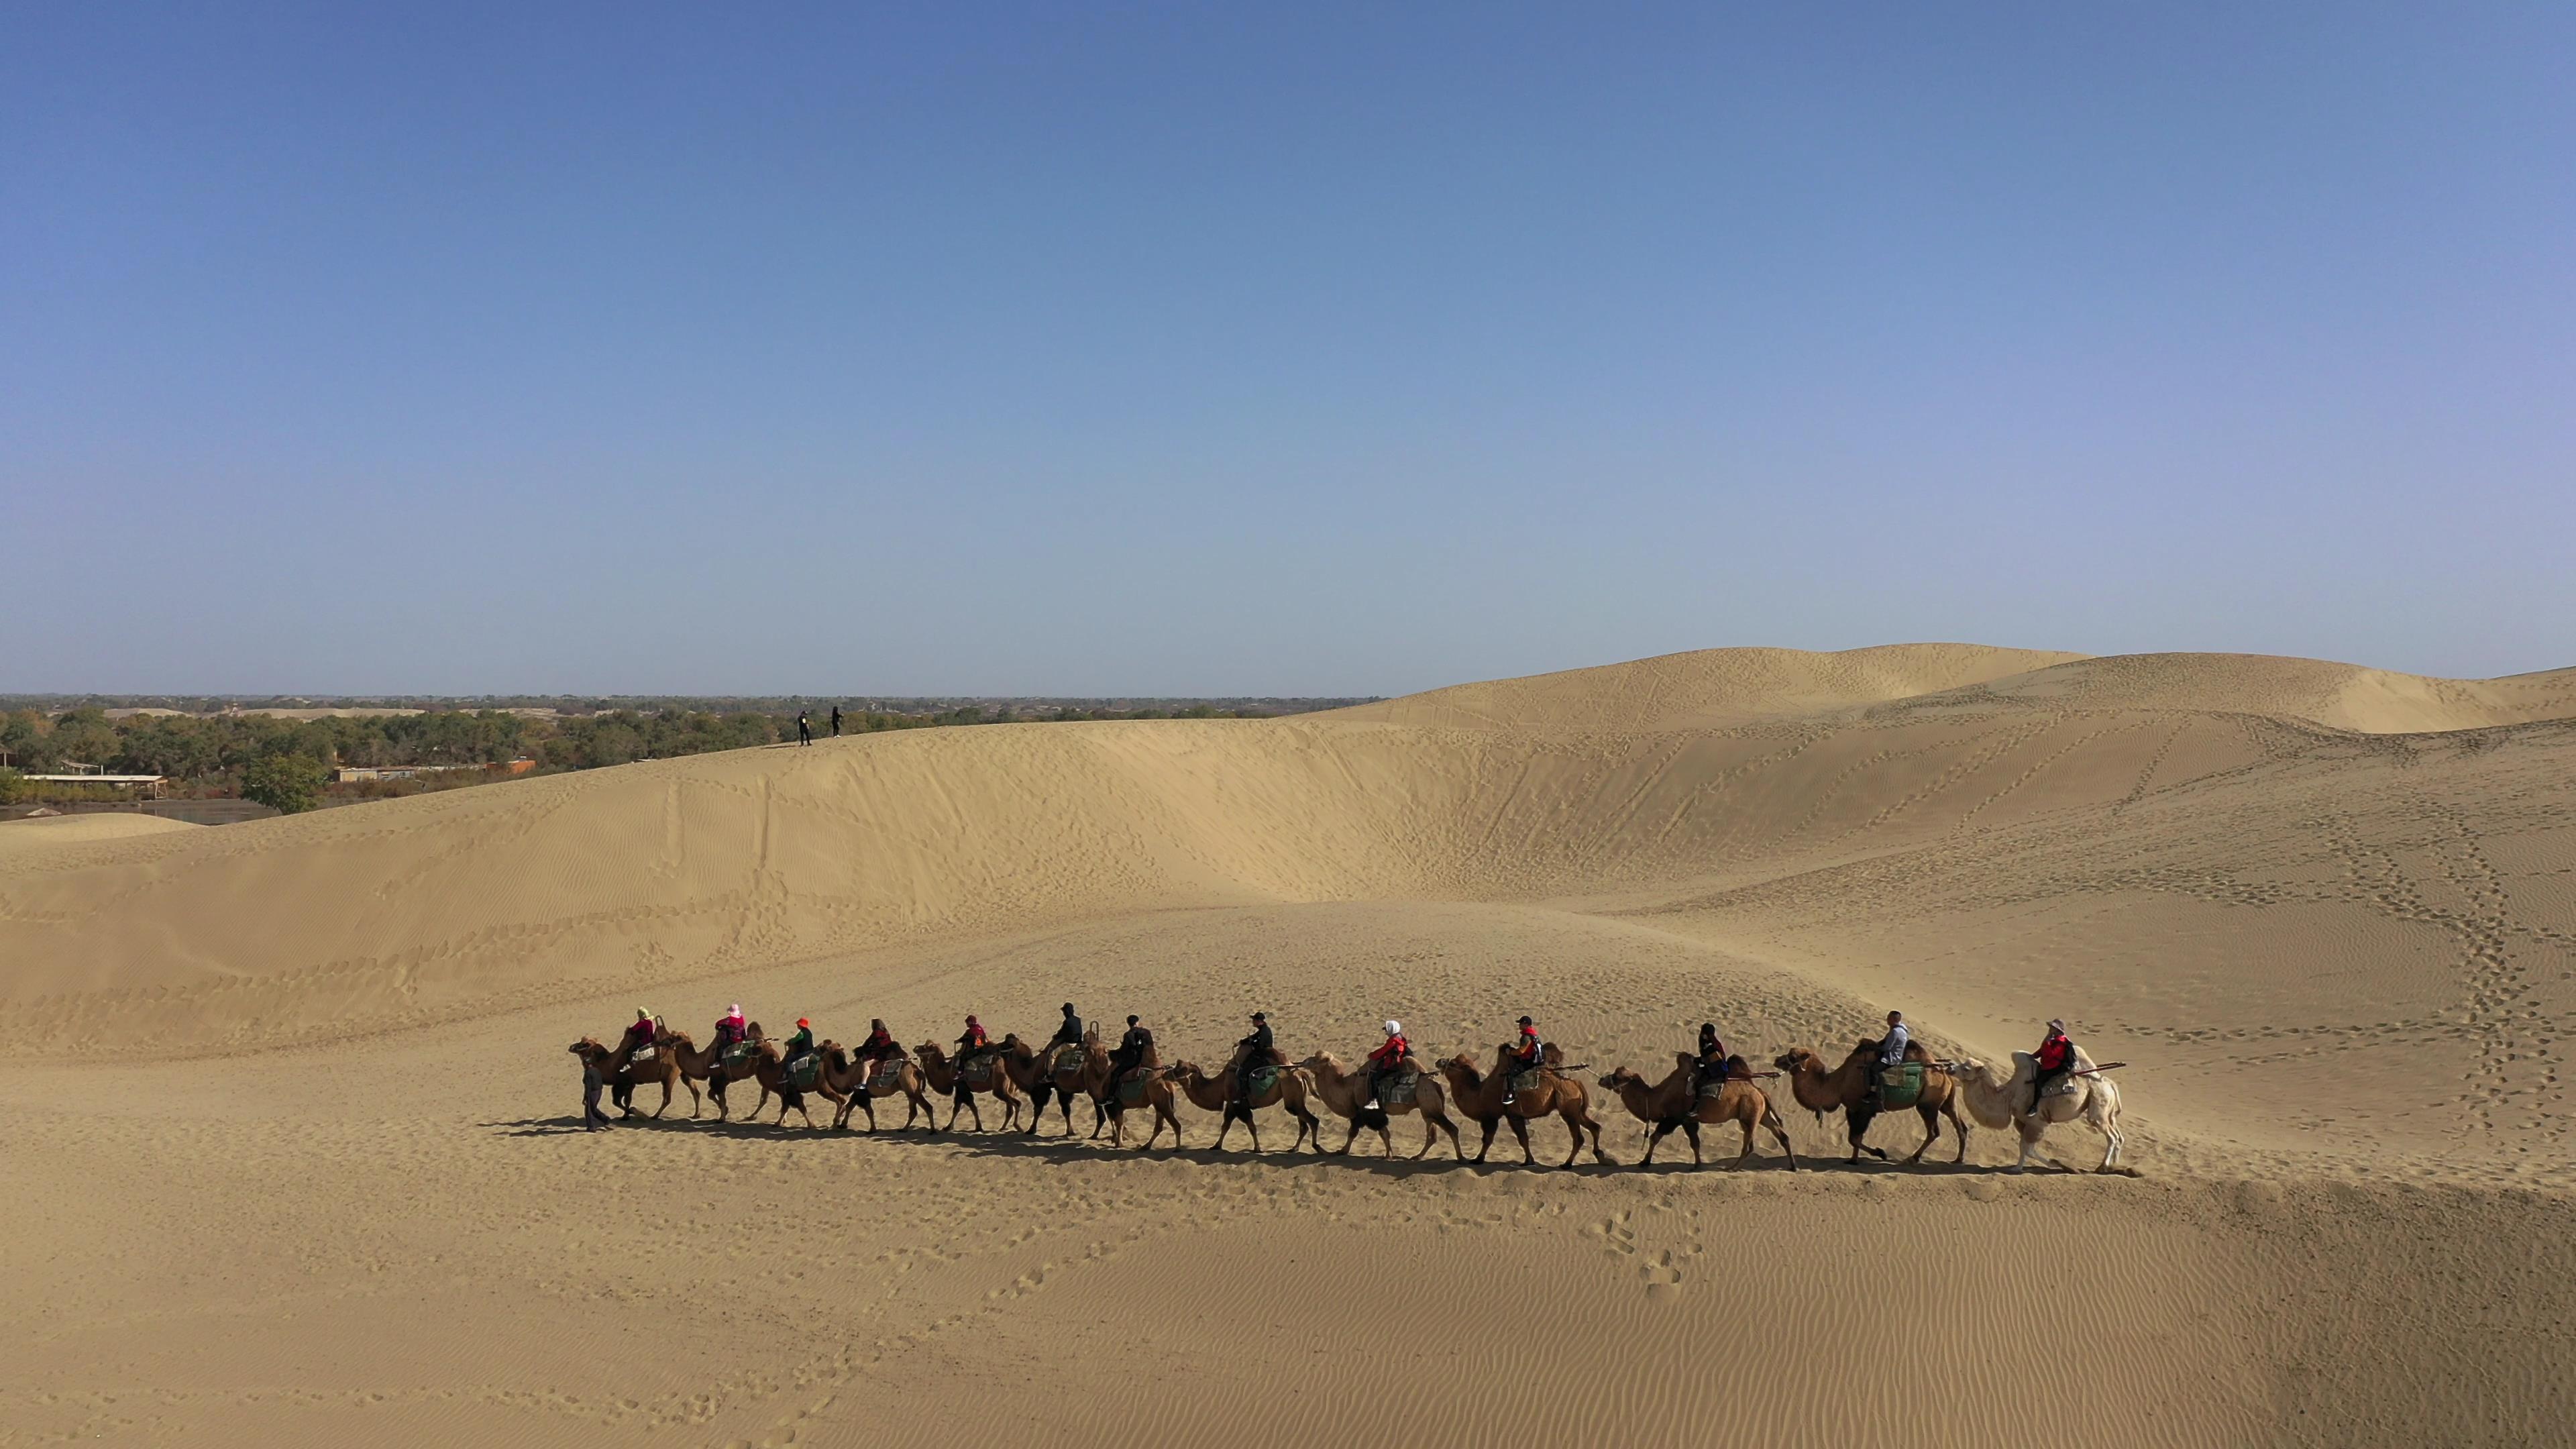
<point x="738" y="1053"/>
<point x="1063" y="1057"/>
<point x="1527" y="1081"/>
<point x="977" y="1070"/>
<point x="884" y="1073"/>
<point x="805" y="1071"/>
<point x="1262" y="1079"/>
<point x="1131" y="1087"/>
<point x="1401" y="1088"/>
<point x="1900" y="1086"/>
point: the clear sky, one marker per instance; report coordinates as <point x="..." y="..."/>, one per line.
<point x="1288" y="349"/>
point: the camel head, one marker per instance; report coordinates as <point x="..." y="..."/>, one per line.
<point x="1463" y="1065"/>
<point x="1011" y="1041"/>
<point x="1186" y="1071"/>
<point x="1798" y="1059"/>
<point x="929" y="1052"/>
<point x="587" y="1046"/>
<point x="1621" y="1078"/>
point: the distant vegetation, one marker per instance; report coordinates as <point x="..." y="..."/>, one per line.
<point x="216" y="747"/>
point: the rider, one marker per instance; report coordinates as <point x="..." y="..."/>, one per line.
<point x="970" y="1044"/>
<point x="639" y="1033"/>
<point x="1252" y="1053"/>
<point x="1523" y="1056"/>
<point x="799" y="1044"/>
<point x="730" y="1031"/>
<point x="1129" y="1056"/>
<point x="1712" y="1057"/>
<point x="1387" y="1060"/>
<point x="2056" y="1058"/>
<point x="1891" y="1051"/>
<point x="1068" y="1033"/>
<point x="879" y="1045"/>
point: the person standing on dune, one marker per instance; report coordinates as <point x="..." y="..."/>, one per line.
<point x="804" y="729"/>
<point x="836" y="721"/>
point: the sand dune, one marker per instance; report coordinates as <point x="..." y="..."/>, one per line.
<point x="43" y="836"/>
<point x="2328" y="913"/>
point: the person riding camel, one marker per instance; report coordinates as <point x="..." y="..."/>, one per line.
<point x="1128" y="1057"/>
<point x="1712" y="1057"/>
<point x="730" y="1031"/>
<point x="639" y="1033"/>
<point x="1068" y="1033"/>
<point x="1252" y="1053"/>
<point x="801" y="1044"/>
<point x="1387" y="1060"/>
<point x="880" y="1044"/>
<point x="2056" y="1058"/>
<point x="970" y="1044"/>
<point x="1524" y="1056"/>
<point x="1891" y="1051"/>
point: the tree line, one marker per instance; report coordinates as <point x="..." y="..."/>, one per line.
<point x="286" y="763"/>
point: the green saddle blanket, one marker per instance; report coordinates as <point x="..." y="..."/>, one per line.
<point x="884" y="1072"/>
<point x="1900" y="1086"/>
<point x="1526" y="1081"/>
<point x="738" y="1053"/>
<point x="1261" y="1080"/>
<point x="1400" y="1090"/>
<point x="805" y="1071"/>
<point x="1131" y="1087"/>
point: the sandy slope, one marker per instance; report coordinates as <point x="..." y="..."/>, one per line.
<point x="44" y="836"/>
<point x="2342" y="956"/>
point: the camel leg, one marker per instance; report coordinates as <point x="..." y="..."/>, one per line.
<point x="1690" y="1129"/>
<point x="1958" y="1125"/>
<point x="694" y="1098"/>
<point x="1574" y="1149"/>
<point x="1253" y="1127"/>
<point x="666" y="1100"/>
<point x="1654" y="1135"/>
<point x="1354" y="1136"/>
<point x="1746" y="1155"/>
<point x="1931" y="1132"/>
<point x="1485" y="1142"/>
<point x="1037" y="1111"/>
<point x="1520" y="1133"/>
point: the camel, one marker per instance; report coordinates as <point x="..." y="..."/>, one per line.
<point x="1481" y="1096"/>
<point x="1053" y="1070"/>
<point x="1216" y="1094"/>
<point x="2006" y="1101"/>
<point x="621" y="1073"/>
<point x="1156" y="1095"/>
<point x="769" y="1067"/>
<point x="1676" y="1101"/>
<point x="1847" y="1087"/>
<point x="942" y="1077"/>
<point x="1344" y="1092"/>
<point x="853" y="1080"/>
<point x="697" y="1066"/>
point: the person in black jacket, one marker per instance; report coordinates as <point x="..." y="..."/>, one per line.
<point x="1068" y="1032"/>
<point x="1712" y="1057"/>
<point x="1252" y="1053"/>
<point x="1129" y="1056"/>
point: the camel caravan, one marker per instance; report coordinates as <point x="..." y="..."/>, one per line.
<point x="1129" y="1086"/>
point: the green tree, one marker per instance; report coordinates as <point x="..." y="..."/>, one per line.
<point x="286" y="784"/>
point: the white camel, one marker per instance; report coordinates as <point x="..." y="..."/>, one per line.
<point x="2006" y="1102"/>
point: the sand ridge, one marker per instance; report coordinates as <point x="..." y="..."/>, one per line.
<point x="2342" y="955"/>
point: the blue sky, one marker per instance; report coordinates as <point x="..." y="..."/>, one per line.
<point x="1294" y="350"/>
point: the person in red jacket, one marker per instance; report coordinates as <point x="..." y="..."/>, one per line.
<point x="2056" y="1058"/>
<point x="1387" y="1060"/>
<point x="1524" y="1057"/>
<point x="971" y="1044"/>
<point x="880" y="1043"/>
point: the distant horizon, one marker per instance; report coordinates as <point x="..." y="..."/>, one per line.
<point x="1323" y="351"/>
<point x="353" y="699"/>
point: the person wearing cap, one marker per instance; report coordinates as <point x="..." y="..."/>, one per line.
<point x="1252" y="1053"/>
<point x="639" y="1033"/>
<point x="1711" y="1064"/>
<point x="1129" y="1056"/>
<point x="799" y="1044"/>
<point x="730" y="1031"/>
<point x="2056" y="1058"/>
<point x="971" y="1043"/>
<point x="1387" y="1060"/>
<point x="1524" y="1056"/>
<point x="1068" y="1033"/>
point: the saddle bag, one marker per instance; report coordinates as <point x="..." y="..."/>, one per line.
<point x="1900" y="1086"/>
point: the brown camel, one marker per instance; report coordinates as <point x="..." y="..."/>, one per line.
<point x="1677" y="1101"/>
<point x="1055" y="1071"/>
<point x="942" y="1077"/>
<point x="1346" y="1094"/>
<point x="1480" y="1096"/>
<point x="1216" y="1094"/>
<point x="769" y="1067"/>
<point x="1847" y="1087"/>
<point x="701" y="1065"/>
<point x="860" y="1084"/>
<point x="622" y="1073"/>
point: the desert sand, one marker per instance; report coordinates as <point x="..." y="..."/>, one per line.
<point x="294" y="1151"/>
